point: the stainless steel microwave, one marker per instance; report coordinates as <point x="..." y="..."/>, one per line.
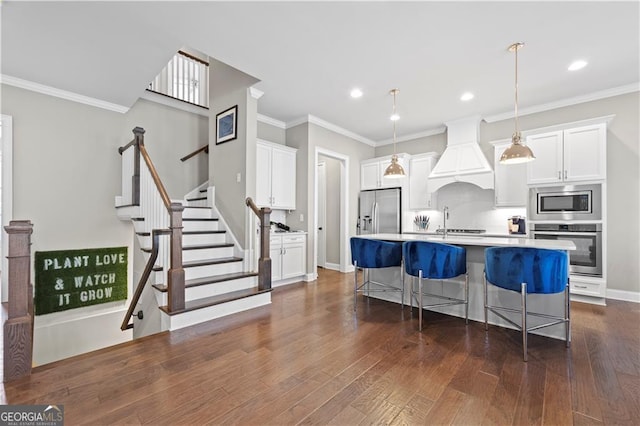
<point x="569" y="202"/>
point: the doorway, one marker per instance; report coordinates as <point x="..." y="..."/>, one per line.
<point x="6" y="197"/>
<point x="342" y="218"/>
<point x="322" y="213"/>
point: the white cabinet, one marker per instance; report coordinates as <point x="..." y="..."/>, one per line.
<point x="372" y="172"/>
<point x="420" y="167"/>
<point x="276" y="176"/>
<point x="288" y="255"/>
<point x="570" y="155"/>
<point x="510" y="180"/>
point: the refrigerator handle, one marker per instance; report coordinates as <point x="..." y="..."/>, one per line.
<point x="374" y="213"/>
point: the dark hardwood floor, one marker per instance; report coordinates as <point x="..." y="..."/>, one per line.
<point x="308" y="359"/>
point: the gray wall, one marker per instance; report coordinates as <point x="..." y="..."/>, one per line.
<point x="332" y="206"/>
<point x="623" y="172"/>
<point x="271" y="133"/>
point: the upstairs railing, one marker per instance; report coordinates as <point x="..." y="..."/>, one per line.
<point x="264" y="261"/>
<point x="204" y="149"/>
<point x="142" y="187"/>
<point x="18" y="329"/>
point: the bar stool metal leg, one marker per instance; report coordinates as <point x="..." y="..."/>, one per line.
<point x="524" y="319"/>
<point x="486" y="303"/>
<point x="420" y="300"/>
<point x="355" y="286"/>
<point x="567" y="316"/>
<point x="466" y="298"/>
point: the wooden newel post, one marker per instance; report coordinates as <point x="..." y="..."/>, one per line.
<point x="18" y="329"/>
<point x="138" y="133"/>
<point x="264" y="262"/>
<point x="176" y="271"/>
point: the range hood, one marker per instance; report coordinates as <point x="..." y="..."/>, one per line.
<point x="462" y="159"/>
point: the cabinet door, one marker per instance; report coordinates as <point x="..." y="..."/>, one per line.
<point x="263" y="175"/>
<point x="392" y="182"/>
<point x="547" y="167"/>
<point x="275" y="253"/>
<point x="283" y="179"/>
<point x="370" y="175"/>
<point x="585" y="153"/>
<point x="510" y="180"/>
<point x="293" y="260"/>
<point x="419" y="197"/>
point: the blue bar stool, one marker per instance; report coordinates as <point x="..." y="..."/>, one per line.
<point x="372" y="254"/>
<point x="527" y="270"/>
<point x="436" y="261"/>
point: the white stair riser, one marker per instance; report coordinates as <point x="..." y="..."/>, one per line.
<point x="197" y="203"/>
<point x="213" y="289"/>
<point x="203" y="254"/>
<point x="144" y="241"/>
<point x="196" y="225"/>
<point x="199" y="239"/>
<point x="212" y="270"/>
<point x="126" y="213"/>
<point x="206" y="314"/>
<point x="196" y="213"/>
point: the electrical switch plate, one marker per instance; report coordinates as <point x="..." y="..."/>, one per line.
<point x="238" y="178"/>
<point x="301" y="217"/>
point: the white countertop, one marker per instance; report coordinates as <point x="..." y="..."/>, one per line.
<point x="481" y="241"/>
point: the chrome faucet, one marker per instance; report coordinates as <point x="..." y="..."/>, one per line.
<point x="445" y="216"/>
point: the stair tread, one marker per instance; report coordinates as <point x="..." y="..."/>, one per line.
<point x="202" y="232"/>
<point x="210" y="280"/>
<point x="197" y="207"/>
<point x="196" y="199"/>
<point x="203" y="219"/>
<point x="204" y="190"/>
<point x="196" y="247"/>
<point x="211" y="262"/>
<point x="206" y="302"/>
<point x="144" y="234"/>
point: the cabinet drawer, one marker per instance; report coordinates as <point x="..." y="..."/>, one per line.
<point x="588" y="289"/>
<point x="275" y="241"/>
<point x="288" y="239"/>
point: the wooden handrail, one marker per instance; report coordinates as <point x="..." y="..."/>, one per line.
<point x="127" y="146"/>
<point x="155" y="243"/>
<point x="156" y="178"/>
<point x="204" y="149"/>
<point x="264" y="261"/>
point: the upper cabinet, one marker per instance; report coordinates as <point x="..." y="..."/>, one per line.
<point x="372" y="172"/>
<point x="571" y="155"/>
<point x="510" y="179"/>
<point x="420" y="167"/>
<point x="276" y="176"/>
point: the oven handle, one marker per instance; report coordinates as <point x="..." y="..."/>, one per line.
<point x="589" y="234"/>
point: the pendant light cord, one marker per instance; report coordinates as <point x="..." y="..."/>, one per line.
<point x="394" y="121"/>
<point x="517" y="47"/>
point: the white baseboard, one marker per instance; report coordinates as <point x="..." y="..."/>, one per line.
<point x="332" y="266"/>
<point x="628" y="296"/>
<point x="311" y="277"/>
<point x="348" y="268"/>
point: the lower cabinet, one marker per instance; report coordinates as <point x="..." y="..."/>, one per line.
<point x="288" y="256"/>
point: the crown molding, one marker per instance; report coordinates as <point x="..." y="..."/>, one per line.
<point x="255" y="93"/>
<point x="616" y="91"/>
<point x="59" y="93"/>
<point x="272" y="121"/>
<point x="405" y="138"/>
<point x="332" y="127"/>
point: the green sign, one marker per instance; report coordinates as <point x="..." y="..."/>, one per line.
<point x="70" y="279"/>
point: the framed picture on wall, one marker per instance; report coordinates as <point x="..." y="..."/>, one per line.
<point x="227" y="125"/>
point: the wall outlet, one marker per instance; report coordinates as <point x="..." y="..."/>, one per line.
<point x="301" y="217"/>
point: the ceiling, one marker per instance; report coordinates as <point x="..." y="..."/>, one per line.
<point x="309" y="55"/>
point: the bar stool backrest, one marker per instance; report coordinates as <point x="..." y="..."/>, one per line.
<point x="545" y="271"/>
<point x="375" y="254"/>
<point x="435" y="260"/>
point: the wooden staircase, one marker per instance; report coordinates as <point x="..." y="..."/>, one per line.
<point x="209" y="275"/>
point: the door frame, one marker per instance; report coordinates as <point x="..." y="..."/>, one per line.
<point x="7" y="197"/>
<point x="322" y="207"/>
<point x="345" y="265"/>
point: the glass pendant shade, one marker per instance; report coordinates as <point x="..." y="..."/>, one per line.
<point x="516" y="153"/>
<point x="394" y="170"/>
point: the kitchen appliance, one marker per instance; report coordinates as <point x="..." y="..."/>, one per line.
<point x="516" y="225"/>
<point x="570" y="202"/>
<point x="379" y="211"/>
<point x="586" y="259"/>
<point x="280" y="226"/>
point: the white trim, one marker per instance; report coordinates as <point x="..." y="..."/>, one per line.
<point x="629" y="296"/>
<point x="59" y="93"/>
<point x="424" y="134"/>
<point x="344" y="207"/>
<point x="272" y="121"/>
<point x="332" y="266"/>
<point x="616" y="91"/>
<point x="329" y="126"/>
<point x="255" y="93"/>
<point x="174" y="103"/>
<point x="7" y="197"/>
<point x="349" y="268"/>
<point x="310" y="277"/>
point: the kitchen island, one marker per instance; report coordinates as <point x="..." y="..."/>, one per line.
<point x="552" y="304"/>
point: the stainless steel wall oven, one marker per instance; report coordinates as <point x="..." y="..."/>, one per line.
<point x="587" y="258"/>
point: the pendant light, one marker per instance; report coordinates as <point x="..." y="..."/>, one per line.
<point x="394" y="170"/>
<point x="516" y="153"/>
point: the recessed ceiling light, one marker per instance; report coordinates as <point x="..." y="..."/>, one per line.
<point x="394" y="117"/>
<point x="466" y="96"/>
<point x="577" y="65"/>
<point x="356" y="93"/>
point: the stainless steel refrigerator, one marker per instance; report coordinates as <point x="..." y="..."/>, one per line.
<point x="379" y="211"/>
